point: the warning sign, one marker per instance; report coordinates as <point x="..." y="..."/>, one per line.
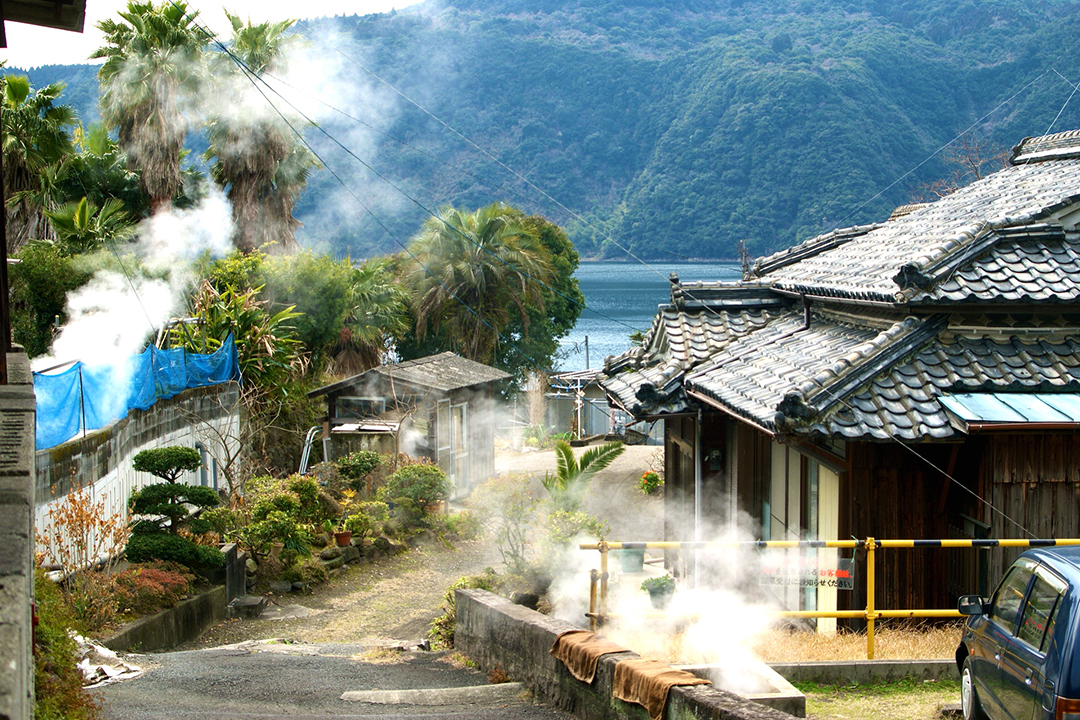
<point x="810" y="572"/>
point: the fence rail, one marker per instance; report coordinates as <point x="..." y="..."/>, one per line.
<point x="598" y="579"/>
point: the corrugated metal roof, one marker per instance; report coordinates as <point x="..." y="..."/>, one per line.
<point x="1014" y="407"/>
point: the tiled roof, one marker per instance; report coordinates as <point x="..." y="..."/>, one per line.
<point x="443" y="372"/>
<point x="648" y="379"/>
<point x="787" y="373"/>
<point x="868" y="265"/>
<point x="1031" y="264"/>
<point x="876" y="384"/>
<point x="902" y="403"/>
<point x="971" y="293"/>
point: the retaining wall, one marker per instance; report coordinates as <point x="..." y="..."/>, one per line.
<point x="16" y="540"/>
<point x="496" y="633"/>
<point x="102" y="459"/>
<point x="175" y="626"/>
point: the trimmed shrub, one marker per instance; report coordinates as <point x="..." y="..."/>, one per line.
<point x="141" y="590"/>
<point x="172" y="548"/>
<point x="416" y="488"/>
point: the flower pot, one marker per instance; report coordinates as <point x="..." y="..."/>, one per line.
<point x="661" y="597"/>
<point x="630" y="559"/>
<point x="275" y="549"/>
<point x="343" y="538"/>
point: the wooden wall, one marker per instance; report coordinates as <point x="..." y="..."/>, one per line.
<point x="1034" y="480"/>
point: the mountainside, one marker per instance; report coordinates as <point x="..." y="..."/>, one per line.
<point x="671" y="127"/>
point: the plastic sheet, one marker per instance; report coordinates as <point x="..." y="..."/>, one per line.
<point x="83" y="398"/>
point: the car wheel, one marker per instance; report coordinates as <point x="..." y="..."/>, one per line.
<point x="969" y="698"/>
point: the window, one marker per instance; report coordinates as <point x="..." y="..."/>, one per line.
<point x="1010" y="595"/>
<point x="1040" y="610"/>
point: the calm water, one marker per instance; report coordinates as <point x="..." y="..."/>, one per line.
<point x="622" y="297"/>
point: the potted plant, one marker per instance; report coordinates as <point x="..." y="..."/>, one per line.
<point x="660" y="590"/>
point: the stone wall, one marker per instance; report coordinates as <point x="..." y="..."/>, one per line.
<point x="496" y="633"/>
<point x="16" y="540"/>
<point x="102" y="459"/>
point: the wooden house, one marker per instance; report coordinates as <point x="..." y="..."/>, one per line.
<point x="441" y="407"/>
<point x="917" y="378"/>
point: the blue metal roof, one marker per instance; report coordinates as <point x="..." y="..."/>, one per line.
<point x="1014" y="407"/>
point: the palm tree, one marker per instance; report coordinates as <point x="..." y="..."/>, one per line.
<point x="82" y="226"/>
<point x="259" y="158"/>
<point x="35" y="140"/>
<point x="154" y="67"/>
<point x="472" y="273"/>
<point x="379" y="314"/>
<point x="572" y="476"/>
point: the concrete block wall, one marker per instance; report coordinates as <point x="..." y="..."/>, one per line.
<point x="102" y="459"/>
<point x="16" y="540"/>
<point x="496" y="633"/>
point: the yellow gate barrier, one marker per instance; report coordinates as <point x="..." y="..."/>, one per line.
<point x="598" y="600"/>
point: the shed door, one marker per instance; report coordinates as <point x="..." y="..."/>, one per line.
<point x="460" y="439"/>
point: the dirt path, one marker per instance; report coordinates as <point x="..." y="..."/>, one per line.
<point x="395" y="598"/>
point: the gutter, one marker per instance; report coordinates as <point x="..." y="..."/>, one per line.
<point x="990" y="427"/>
<point x="741" y="418"/>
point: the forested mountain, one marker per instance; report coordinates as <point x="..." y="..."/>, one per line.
<point x="674" y="127"/>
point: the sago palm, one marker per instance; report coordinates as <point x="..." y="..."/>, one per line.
<point x="572" y="476"/>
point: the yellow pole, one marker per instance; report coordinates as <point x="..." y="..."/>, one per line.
<point x="594" y="576"/>
<point x="603" y="581"/>
<point x="870" y="614"/>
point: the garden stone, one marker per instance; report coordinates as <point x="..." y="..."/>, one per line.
<point x="330" y="553"/>
<point x="299" y="587"/>
<point x="334" y="563"/>
<point x="281" y="586"/>
<point x="351" y="554"/>
<point x="251" y="566"/>
<point x="424" y="538"/>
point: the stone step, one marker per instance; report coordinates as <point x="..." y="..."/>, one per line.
<point x="248" y="607"/>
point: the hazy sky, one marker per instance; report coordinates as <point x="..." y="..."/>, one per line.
<point x="30" y="46"/>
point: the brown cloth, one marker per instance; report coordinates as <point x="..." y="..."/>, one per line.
<point x="580" y="651"/>
<point x="647" y="682"/>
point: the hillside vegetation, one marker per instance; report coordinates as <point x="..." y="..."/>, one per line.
<point x="675" y="127"/>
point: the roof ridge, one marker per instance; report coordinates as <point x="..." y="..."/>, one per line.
<point x="811" y="247"/>
<point x="1058" y="146"/>
<point x="829" y="386"/>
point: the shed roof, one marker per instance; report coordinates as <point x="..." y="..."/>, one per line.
<point x="443" y="372"/>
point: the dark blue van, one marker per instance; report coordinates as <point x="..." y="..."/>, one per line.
<point x="1017" y="656"/>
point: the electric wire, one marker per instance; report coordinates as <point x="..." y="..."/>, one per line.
<point x="252" y="77"/>
<point x="580" y="219"/>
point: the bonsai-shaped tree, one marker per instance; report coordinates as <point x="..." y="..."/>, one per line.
<point x="166" y="509"/>
<point x="572" y="476"/>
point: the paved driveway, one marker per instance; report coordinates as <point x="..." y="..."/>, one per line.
<point x="269" y="680"/>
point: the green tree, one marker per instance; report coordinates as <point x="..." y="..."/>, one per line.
<point x="473" y="273"/>
<point x="258" y="157"/>
<point x="40" y="282"/>
<point x="535" y="338"/>
<point x="154" y="67"/>
<point x="572" y="476"/>
<point x="82" y="226"/>
<point x="378" y="315"/>
<point x="36" y="137"/>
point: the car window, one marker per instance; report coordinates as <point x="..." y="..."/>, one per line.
<point x="1039" y="611"/>
<point x="1010" y="594"/>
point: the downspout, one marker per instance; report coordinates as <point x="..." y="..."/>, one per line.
<point x="697" y="492"/>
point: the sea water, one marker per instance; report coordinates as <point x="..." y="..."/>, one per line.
<point x="621" y="297"/>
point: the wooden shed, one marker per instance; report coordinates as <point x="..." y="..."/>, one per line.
<point x="441" y="407"/>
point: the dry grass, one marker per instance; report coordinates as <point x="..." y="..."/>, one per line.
<point x="890" y="643"/>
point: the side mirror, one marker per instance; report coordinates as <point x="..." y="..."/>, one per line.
<point x="973" y="605"/>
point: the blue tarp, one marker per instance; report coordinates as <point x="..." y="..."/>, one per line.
<point x="89" y="398"/>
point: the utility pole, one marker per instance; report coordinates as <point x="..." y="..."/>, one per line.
<point x="586" y="352"/>
<point x="5" y="298"/>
